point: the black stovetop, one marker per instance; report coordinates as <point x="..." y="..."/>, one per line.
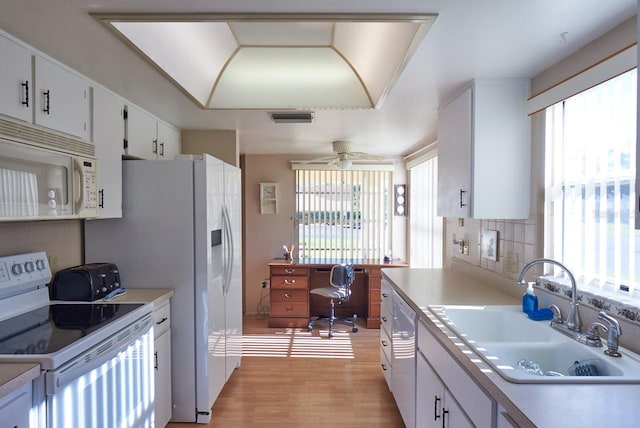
<point x="51" y="328"/>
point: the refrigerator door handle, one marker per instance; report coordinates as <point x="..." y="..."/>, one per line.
<point x="229" y="250"/>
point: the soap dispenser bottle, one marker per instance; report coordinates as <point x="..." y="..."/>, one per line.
<point x="529" y="300"/>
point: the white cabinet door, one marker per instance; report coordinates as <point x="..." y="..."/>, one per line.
<point x="163" y="379"/>
<point x="429" y="395"/>
<point x="435" y="406"/>
<point x="15" y="407"/>
<point x="484" y="152"/>
<point x="168" y="141"/>
<point x="142" y="134"/>
<point x="61" y="99"/>
<point x="108" y="137"/>
<point x="16" y="81"/>
<point x="454" y="157"/>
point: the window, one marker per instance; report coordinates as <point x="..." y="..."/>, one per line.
<point x="425" y="239"/>
<point x="590" y="184"/>
<point x="343" y="214"/>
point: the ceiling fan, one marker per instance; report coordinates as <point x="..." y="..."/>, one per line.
<point x="343" y="157"/>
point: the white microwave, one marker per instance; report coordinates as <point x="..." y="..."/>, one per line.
<point x="45" y="175"/>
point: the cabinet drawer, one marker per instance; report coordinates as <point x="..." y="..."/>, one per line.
<point x="289" y="270"/>
<point x="300" y="282"/>
<point x="294" y="295"/>
<point x="385" y="344"/>
<point x="162" y="318"/>
<point x="386" y="368"/>
<point x="386" y="295"/>
<point x="386" y="319"/>
<point x="289" y="309"/>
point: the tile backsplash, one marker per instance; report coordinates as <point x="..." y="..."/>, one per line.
<point x="61" y="239"/>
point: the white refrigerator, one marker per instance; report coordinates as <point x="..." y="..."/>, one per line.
<point x="181" y="229"/>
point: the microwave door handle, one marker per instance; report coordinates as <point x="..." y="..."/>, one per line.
<point x="78" y="180"/>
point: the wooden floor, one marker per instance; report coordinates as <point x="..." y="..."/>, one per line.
<point x="292" y="378"/>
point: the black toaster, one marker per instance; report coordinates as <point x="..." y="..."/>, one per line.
<point x="87" y="282"/>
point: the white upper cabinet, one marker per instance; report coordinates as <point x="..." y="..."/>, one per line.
<point x="16" y="81"/>
<point x="484" y="152"/>
<point x="61" y="99"/>
<point x="168" y="141"/>
<point x="108" y="137"/>
<point x="149" y="138"/>
<point x="142" y="131"/>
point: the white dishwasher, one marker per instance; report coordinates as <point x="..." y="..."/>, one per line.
<point x="404" y="359"/>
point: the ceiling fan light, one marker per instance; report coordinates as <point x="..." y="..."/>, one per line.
<point x="345" y="164"/>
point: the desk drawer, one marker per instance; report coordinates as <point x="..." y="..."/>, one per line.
<point x="293" y="295"/>
<point x="289" y="270"/>
<point x="300" y="282"/>
<point x="289" y="309"/>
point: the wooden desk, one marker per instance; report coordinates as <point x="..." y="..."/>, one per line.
<point x="292" y="305"/>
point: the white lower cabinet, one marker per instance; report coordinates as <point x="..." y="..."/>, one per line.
<point x="386" y="324"/>
<point x="15" y="407"/>
<point x="162" y="364"/>
<point x="435" y="406"/>
<point x="464" y="402"/>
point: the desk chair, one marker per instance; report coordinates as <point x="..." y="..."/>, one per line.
<point x="341" y="278"/>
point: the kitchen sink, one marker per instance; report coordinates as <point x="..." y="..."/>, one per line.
<point x="525" y="351"/>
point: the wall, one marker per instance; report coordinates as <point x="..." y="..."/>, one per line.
<point x="265" y="234"/>
<point x="223" y="145"/>
<point x="61" y="239"/>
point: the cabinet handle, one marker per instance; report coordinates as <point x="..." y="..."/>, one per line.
<point x="436" y="401"/>
<point x="155" y="146"/>
<point x="161" y="321"/>
<point x="161" y="149"/>
<point x="384" y="319"/>
<point x="288" y="296"/>
<point x="384" y="343"/>
<point x="385" y="295"/>
<point x="289" y="309"/>
<point x="289" y="281"/>
<point x="384" y="367"/>
<point x="47" y="102"/>
<point x="445" y="412"/>
<point x="462" y="204"/>
<point x="155" y="366"/>
<point x="101" y="195"/>
<point x="287" y="270"/>
<point x="25" y="100"/>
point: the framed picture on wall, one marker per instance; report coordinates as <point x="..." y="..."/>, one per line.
<point x="490" y="244"/>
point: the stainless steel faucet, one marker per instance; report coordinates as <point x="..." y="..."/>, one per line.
<point x="573" y="321"/>
<point x="613" y="334"/>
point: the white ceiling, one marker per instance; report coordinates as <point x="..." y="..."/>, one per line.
<point x="470" y="38"/>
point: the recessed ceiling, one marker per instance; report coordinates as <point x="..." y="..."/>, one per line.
<point x="277" y="61"/>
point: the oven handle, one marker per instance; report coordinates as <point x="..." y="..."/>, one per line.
<point x="79" y="366"/>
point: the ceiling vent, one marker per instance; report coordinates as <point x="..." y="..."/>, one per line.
<point x="297" y="117"/>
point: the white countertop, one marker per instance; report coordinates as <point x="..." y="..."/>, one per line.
<point x="530" y="405"/>
<point x="14" y="375"/>
<point x="155" y="296"/>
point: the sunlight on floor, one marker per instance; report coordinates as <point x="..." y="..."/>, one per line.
<point x="299" y="344"/>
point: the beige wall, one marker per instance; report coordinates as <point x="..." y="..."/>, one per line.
<point x="61" y="239"/>
<point x="264" y="234"/>
<point x="221" y="144"/>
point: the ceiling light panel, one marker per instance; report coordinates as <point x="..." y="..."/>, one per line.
<point x="277" y="61"/>
<point x="191" y="53"/>
<point x="258" y="78"/>
<point x="283" y="33"/>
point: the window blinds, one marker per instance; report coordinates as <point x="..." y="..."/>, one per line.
<point x="343" y="214"/>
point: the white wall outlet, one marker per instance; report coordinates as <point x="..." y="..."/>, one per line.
<point x="511" y="262"/>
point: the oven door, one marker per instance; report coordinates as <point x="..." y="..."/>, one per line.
<point x="110" y="385"/>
